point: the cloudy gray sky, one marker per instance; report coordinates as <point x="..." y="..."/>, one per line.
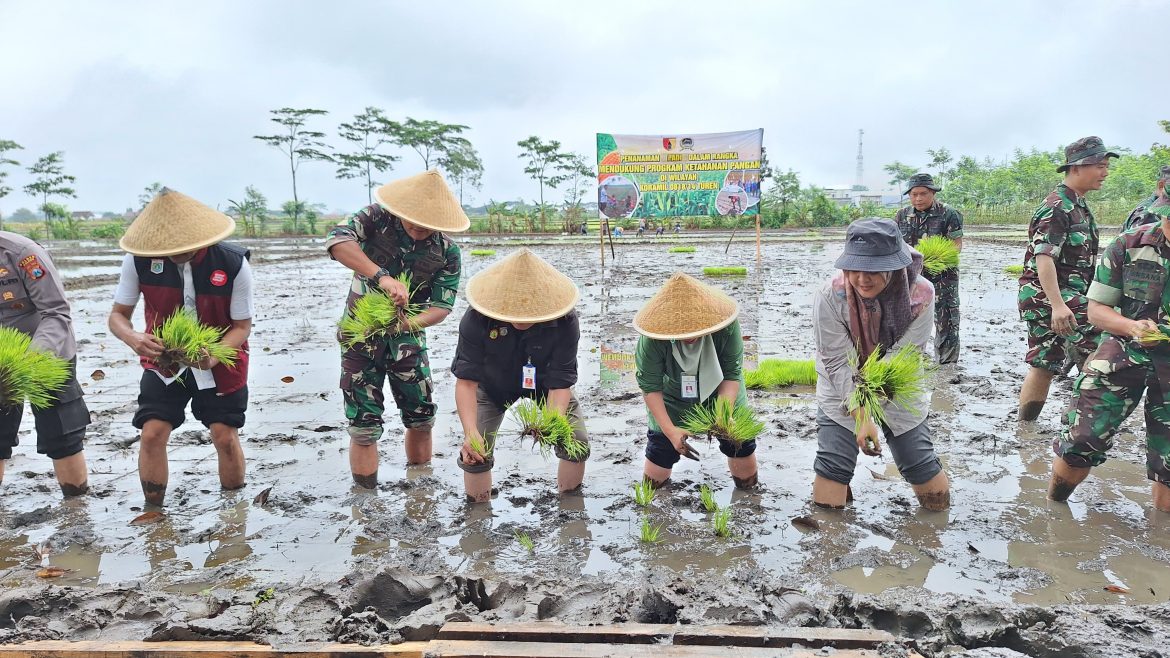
<point x="136" y="92"/>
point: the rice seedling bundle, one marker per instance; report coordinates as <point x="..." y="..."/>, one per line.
<point x="721" y="522"/>
<point x="27" y="373"/>
<point x="186" y="340"/>
<point x="548" y="428"/>
<point x="898" y="378"/>
<point x="643" y="492"/>
<point x="707" y="497"/>
<point x="722" y="420"/>
<point x="481" y="447"/>
<point x="483" y="252"/>
<point x="525" y="541"/>
<point x="375" y="315"/>
<point x="778" y="373"/>
<point x="682" y="250"/>
<point x="725" y="271"/>
<point x="649" y="532"/>
<point x="1013" y="270"/>
<point x="939" y="254"/>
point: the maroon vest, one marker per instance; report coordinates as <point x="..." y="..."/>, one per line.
<point x="214" y="271"/>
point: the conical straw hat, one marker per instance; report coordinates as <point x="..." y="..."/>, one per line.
<point x="174" y="223"/>
<point x="685" y="308"/>
<point x="424" y="199"/>
<point x="522" y="288"/>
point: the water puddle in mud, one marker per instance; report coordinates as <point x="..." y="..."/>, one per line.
<point x="1001" y="542"/>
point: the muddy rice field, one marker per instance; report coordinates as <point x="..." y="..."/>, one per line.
<point x="300" y="555"/>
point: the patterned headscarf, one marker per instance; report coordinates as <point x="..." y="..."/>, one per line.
<point x="883" y="320"/>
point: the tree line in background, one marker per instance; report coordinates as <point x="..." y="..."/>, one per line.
<point x="986" y="191"/>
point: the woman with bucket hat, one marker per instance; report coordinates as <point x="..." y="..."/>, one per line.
<point x="404" y="232"/>
<point x="518" y="340"/>
<point x="690" y="353"/>
<point x="878" y="301"/>
<point x="177" y="260"/>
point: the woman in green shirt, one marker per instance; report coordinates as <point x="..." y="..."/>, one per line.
<point x="690" y="353"/>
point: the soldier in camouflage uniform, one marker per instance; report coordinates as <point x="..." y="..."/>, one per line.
<point x="404" y="232"/>
<point x="927" y="216"/>
<point x="1141" y="214"/>
<point x="1133" y="278"/>
<point x="1058" y="266"/>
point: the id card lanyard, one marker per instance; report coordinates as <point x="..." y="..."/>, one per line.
<point x="528" y="376"/>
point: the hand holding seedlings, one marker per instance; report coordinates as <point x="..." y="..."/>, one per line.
<point x="146" y="345"/>
<point x="395" y="290"/>
<point x="1147" y="333"/>
<point x="189" y="342"/>
<point x="475" y="450"/>
<point x="867" y="437"/>
<point x="678" y="438"/>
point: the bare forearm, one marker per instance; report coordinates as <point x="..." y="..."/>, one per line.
<point x="958" y="243"/>
<point x="430" y="317"/>
<point x="1046" y="269"/>
<point x="728" y="389"/>
<point x="558" y="398"/>
<point x="657" y="407"/>
<point x="238" y="334"/>
<point x="120" y="326"/>
<point x="1106" y="318"/>
<point x="466" y="404"/>
<point x="350" y="254"/>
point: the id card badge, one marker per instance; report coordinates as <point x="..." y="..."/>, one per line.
<point x="528" y="377"/>
<point x="690" y="386"/>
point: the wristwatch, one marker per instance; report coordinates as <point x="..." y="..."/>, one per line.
<point x="373" y="280"/>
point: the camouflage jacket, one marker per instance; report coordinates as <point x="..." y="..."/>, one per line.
<point x="1132" y="276"/>
<point x="939" y="219"/>
<point x="434" y="263"/>
<point x="1141" y="215"/>
<point x="1064" y="229"/>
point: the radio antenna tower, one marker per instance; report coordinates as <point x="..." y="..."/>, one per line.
<point x="860" y="174"/>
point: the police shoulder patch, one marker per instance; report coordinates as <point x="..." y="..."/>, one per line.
<point x="32" y="267"/>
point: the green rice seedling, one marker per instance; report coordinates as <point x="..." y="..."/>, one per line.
<point x="725" y="271"/>
<point x="186" y="340"/>
<point x="643" y="492"/>
<point x="682" y="250"/>
<point x="1013" y="270"/>
<point x="375" y="315"/>
<point x="27" y="373"/>
<point x="721" y="522"/>
<point x="723" y="420"/>
<point x="483" y="252"/>
<point x="778" y="373"/>
<point x="548" y="428"/>
<point x="898" y="378"/>
<point x="481" y="447"/>
<point x="525" y="541"/>
<point x="939" y="254"/>
<point x="707" y="497"/>
<point x="649" y="532"/>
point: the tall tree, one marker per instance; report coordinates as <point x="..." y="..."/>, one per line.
<point x="899" y="173"/>
<point x="546" y="164"/>
<point x="463" y="167"/>
<point x="430" y="139"/>
<point x="367" y="133"/>
<point x="5" y="146"/>
<point x="765" y="166"/>
<point x="297" y="143"/>
<point x="148" y="193"/>
<point x="252" y="211"/>
<point x="50" y="181"/>
<point x="579" y="178"/>
<point x="939" y="159"/>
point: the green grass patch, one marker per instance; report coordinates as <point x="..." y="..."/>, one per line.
<point x="187" y="341"/>
<point x="649" y="532"/>
<point x="707" y="497"/>
<point x="27" y="373"/>
<point x="375" y="315"/>
<point x="1014" y="270"/>
<point x="939" y="254"/>
<point x="778" y="373"/>
<point x="483" y="252"/>
<point x="722" y="420"/>
<point x="682" y="250"/>
<point x="548" y="429"/>
<point x="899" y="378"/>
<point x="725" y="271"/>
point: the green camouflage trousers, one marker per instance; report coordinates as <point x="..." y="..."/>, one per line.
<point x="364" y="370"/>
<point x="946" y="316"/>
<point x="1046" y="348"/>
<point x="1114" y="378"/>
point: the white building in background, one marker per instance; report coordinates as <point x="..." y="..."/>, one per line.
<point x="847" y="196"/>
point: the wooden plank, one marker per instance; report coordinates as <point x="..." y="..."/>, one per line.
<point x="476" y="649"/>
<point x="743" y="636"/>
<point x="107" y="649"/>
<point x="545" y="631"/>
<point x="763" y="636"/>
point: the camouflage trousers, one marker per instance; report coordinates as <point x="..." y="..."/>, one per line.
<point x="364" y="370"/>
<point x="946" y="316"/>
<point x="1109" y="389"/>
<point x="1046" y="348"/>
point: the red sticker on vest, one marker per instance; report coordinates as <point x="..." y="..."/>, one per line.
<point x="218" y="278"/>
